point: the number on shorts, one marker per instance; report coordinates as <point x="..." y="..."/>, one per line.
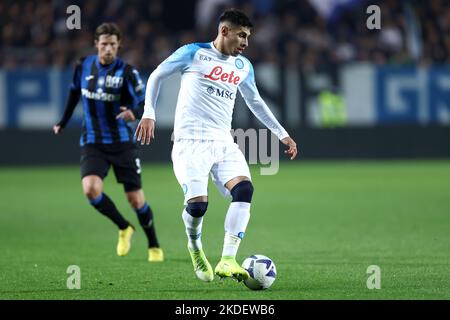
<point x="138" y="165"/>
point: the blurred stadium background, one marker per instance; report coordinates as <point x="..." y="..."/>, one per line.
<point x="343" y="91"/>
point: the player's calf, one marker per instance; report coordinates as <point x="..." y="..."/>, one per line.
<point x="193" y="221"/>
<point x="236" y="221"/>
<point x="145" y="217"/>
<point x="106" y="206"/>
<point x="237" y="218"/>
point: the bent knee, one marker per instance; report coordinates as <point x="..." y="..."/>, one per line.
<point x="136" y="199"/>
<point x="242" y="192"/>
<point x="92" y="187"/>
<point x="197" y="209"/>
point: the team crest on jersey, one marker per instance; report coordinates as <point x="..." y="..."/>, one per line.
<point x="113" y="82"/>
<point x="239" y="63"/>
<point x="101" y="81"/>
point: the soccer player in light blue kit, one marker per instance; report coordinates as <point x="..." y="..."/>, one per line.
<point x="211" y="75"/>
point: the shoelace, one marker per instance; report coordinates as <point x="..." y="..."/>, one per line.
<point x="200" y="263"/>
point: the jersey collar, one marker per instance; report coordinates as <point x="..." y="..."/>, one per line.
<point x="105" y="67"/>
<point x="218" y="53"/>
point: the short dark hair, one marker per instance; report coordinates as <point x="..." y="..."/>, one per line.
<point x="108" y="28"/>
<point x="236" y="17"/>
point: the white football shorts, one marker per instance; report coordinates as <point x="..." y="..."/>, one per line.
<point x="193" y="160"/>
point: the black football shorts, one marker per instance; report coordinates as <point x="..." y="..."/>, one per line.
<point x="96" y="159"/>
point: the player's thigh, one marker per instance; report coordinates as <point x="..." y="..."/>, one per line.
<point x="93" y="162"/>
<point x="230" y="170"/>
<point x="192" y="161"/>
<point x="127" y="167"/>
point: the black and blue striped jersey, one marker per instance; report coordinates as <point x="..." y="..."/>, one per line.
<point x="103" y="90"/>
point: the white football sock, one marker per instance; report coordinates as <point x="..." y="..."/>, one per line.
<point x="193" y="230"/>
<point x="236" y="222"/>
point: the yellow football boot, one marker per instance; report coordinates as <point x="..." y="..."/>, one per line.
<point x="124" y="243"/>
<point x="228" y="267"/>
<point x="155" y="255"/>
<point x="202" y="267"/>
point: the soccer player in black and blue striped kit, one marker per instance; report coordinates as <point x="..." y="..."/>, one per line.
<point x="112" y="93"/>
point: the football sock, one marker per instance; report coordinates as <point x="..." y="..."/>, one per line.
<point x="105" y="205"/>
<point x="145" y="216"/>
<point x="236" y="222"/>
<point x="193" y="230"/>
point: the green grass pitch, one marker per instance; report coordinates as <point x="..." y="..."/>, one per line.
<point x="323" y="224"/>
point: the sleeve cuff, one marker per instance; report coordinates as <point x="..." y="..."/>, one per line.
<point x="149" y="113"/>
<point x="283" y="134"/>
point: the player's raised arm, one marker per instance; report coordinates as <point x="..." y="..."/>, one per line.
<point x="260" y="109"/>
<point x="177" y="62"/>
<point x="72" y="100"/>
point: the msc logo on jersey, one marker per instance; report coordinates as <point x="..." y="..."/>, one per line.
<point x="220" y="92"/>
<point x="239" y="63"/>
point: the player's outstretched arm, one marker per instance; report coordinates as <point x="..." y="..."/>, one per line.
<point x="145" y="131"/>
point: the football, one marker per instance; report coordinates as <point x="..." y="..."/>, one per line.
<point x="262" y="272"/>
